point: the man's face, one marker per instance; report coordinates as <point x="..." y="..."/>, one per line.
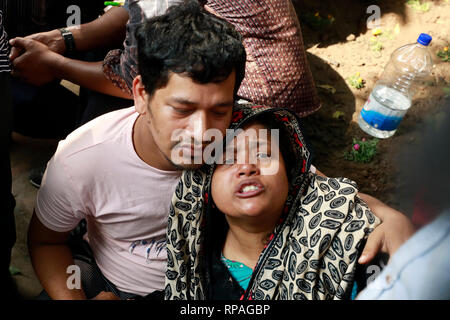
<point x="179" y="114"/>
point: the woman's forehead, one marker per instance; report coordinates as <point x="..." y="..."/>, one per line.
<point x="252" y="134"/>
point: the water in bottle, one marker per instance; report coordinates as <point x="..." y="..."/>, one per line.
<point x="392" y="94"/>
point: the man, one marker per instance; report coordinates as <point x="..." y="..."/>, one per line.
<point x="117" y="171"/>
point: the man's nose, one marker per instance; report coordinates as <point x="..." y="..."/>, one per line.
<point x="198" y="126"/>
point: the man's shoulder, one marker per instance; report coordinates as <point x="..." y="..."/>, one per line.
<point x="108" y="128"/>
<point x="432" y="240"/>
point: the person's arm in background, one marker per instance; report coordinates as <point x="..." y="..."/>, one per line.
<point x="394" y="230"/>
<point x="38" y="59"/>
<point x="39" y="65"/>
<point x="106" y="31"/>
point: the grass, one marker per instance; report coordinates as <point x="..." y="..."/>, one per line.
<point x="362" y="150"/>
<point x="356" y="81"/>
<point x="375" y="44"/>
<point x="379" y="36"/>
<point x="444" y="54"/>
<point x="447" y="91"/>
<point x="316" y="21"/>
<point x="418" y="5"/>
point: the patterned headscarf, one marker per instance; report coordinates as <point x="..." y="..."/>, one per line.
<point x="312" y="252"/>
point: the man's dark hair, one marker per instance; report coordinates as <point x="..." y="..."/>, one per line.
<point x="189" y="40"/>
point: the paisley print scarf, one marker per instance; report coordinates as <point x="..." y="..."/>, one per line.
<point x="313" y="251"/>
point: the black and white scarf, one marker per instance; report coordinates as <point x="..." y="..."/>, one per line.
<point x="313" y="251"/>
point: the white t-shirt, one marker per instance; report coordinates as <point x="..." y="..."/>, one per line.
<point x="96" y="174"/>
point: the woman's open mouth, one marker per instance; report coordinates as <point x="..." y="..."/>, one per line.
<point x="248" y="189"/>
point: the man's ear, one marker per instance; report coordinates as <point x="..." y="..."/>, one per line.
<point x="140" y="95"/>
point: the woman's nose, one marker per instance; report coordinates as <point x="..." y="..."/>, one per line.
<point x="248" y="169"/>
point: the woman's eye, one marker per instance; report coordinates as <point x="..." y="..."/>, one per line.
<point x="262" y="155"/>
<point x="228" y="156"/>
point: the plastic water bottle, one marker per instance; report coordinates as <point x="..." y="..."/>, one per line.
<point x="392" y="94"/>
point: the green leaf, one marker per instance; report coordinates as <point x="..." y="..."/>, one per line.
<point x="327" y="87"/>
<point x="446" y="91"/>
<point x="14" y="271"/>
<point x="337" y="114"/>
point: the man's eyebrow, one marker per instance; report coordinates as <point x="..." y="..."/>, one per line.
<point x="193" y="103"/>
<point x="224" y="104"/>
<point x="181" y="101"/>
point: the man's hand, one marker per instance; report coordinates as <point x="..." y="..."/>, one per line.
<point x="394" y="230"/>
<point x="36" y="64"/>
<point x="106" y="296"/>
<point x="52" y="39"/>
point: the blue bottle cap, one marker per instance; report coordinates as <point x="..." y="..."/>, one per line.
<point x="424" y="39"/>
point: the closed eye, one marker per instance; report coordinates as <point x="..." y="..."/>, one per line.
<point x="220" y="114"/>
<point x="181" y="111"/>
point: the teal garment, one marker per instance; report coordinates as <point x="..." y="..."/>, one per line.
<point x="240" y="272"/>
<point x="354" y="291"/>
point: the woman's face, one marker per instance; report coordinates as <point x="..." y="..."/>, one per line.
<point x="249" y="187"/>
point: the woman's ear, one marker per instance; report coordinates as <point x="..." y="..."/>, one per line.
<point x="140" y="95"/>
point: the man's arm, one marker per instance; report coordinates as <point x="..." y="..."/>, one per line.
<point x="106" y="31"/>
<point x="38" y="59"/>
<point x="39" y="65"/>
<point x="394" y="230"/>
<point x="88" y="75"/>
<point x="51" y="257"/>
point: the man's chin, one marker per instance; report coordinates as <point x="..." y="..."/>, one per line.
<point x="186" y="165"/>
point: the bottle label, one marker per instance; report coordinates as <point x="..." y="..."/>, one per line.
<point x="372" y="113"/>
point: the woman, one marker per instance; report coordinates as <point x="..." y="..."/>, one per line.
<point x="312" y="226"/>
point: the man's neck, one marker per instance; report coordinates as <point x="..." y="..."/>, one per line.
<point x="147" y="149"/>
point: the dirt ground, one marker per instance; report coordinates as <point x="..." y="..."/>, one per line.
<point x="342" y="49"/>
<point x="335" y="52"/>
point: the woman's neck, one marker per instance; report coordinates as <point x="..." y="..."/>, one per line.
<point x="245" y="244"/>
